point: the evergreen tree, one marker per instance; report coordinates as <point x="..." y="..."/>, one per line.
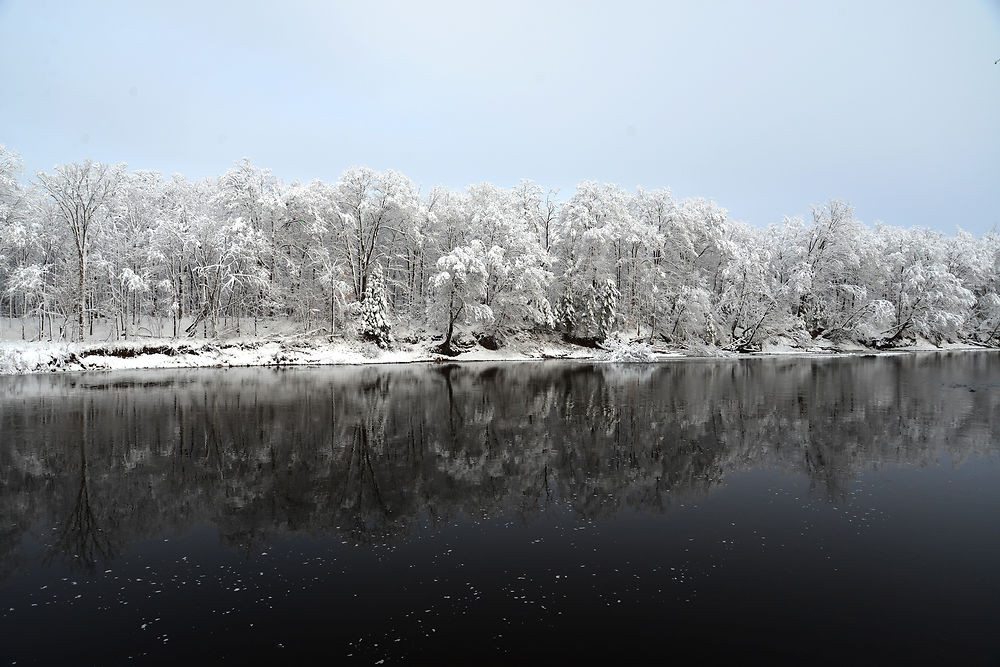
<point x="607" y="305"/>
<point x="566" y="313"/>
<point x="374" y="326"/>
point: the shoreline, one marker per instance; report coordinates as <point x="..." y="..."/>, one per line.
<point x="32" y="358"/>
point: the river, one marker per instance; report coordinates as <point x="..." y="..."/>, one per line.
<point x="821" y="510"/>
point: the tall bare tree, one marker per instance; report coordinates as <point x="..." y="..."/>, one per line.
<point x="81" y="190"/>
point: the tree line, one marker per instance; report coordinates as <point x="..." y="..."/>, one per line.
<point x="93" y="249"/>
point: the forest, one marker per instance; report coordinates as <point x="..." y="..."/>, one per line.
<point x="91" y="250"/>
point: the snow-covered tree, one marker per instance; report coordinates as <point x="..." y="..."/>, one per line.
<point x="82" y="190"/>
<point x="591" y="222"/>
<point x="253" y="195"/>
<point x="687" y="268"/>
<point x="540" y="210"/>
<point x="749" y="305"/>
<point x="173" y="244"/>
<point x="378" y="210"/>
<point x="459" y="286"/>
<point x="517" y="264"/>
<point x="565" y="315"/>
<point x="928" y="300"/>
<point x="20" y="274"/>
<point x="374" y="323"/>
<point x="606" y="311"/>
<point x="125" y="256"/>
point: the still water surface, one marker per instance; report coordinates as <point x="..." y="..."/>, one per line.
<point x="816" y="510"/>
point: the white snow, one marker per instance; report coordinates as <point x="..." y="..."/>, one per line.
<point x="40" y="357"/>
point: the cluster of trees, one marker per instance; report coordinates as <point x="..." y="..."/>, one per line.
<point x="141" y="254"/>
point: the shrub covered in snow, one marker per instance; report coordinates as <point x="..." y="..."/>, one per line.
<point x="621" y="349"/>
<point x="31" y="358"/>
<point x="13" y="362"/>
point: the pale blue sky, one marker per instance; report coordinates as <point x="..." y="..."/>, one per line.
<point x="766" y="107"/>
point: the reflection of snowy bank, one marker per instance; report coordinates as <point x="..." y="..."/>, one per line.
<point x="41" y="357"/>
<point x="374" y="453"/>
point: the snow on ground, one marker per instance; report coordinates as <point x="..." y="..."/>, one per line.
<point x="286" y="351"/>
<point x="785" y="345"/>
<point x="39" y="357"/>
<point x="924" y="345"/>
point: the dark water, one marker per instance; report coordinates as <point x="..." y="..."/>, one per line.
<point x="818" y="511"/>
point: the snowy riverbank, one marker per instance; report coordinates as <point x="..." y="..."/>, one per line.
<point x="42" y="357"/>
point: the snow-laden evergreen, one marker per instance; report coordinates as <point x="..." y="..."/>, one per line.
<point x="90" y="250"/>
<point x="374" y="325"/>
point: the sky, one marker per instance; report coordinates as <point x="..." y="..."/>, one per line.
<point x="767" y="107"/>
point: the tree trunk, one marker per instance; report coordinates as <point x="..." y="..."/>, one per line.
<point x="81" y="295"/>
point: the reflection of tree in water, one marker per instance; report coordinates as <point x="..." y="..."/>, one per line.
<point x="373" y="452"/>
<point x="360" y="495"/>
<point x="81" y="536"/>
